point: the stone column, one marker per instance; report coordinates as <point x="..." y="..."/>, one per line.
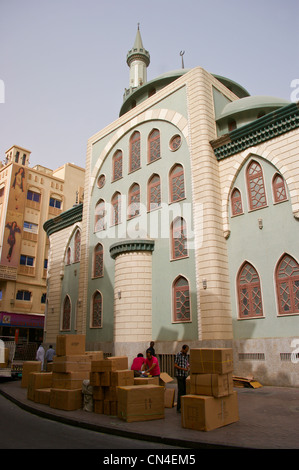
<point x="132" y="296"/>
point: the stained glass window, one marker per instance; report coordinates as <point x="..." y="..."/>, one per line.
<point x="154" y="146"/>
<point x="77" y="246"/>
<point x="134" y="201"/>
<point x="98" y="269"/>
<point x="287" y="281"/>
<point x="66" y="314"/>
<point x="279" y="189"/>
<point x="181" y="300"/>
<point x="117" y="162"/>
<point x="154" y="192"/>
<point x="135" y="151"/>
<point x="256" y="187"/>
<point x="97" y="310"/>
<point x="177" y="185"/>
<point x="236" y="201"/>
<point x="175" y="142"/>
<point x="179" y="239"/>
<point x="249" y="290"/>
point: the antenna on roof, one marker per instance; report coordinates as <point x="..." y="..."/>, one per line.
<point x="181" y="54"/>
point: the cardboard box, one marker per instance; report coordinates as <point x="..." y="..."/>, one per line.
<point x="70" y="380"/>
<point x="164" y="379"/>
<point x="68" y="400"/>
<point x="110" y="364"/>
<point x="49" y="366"/>
<point x="94" y="379"/>
<point x="169" y="397"/>
<point x="42" y="395"/>
<point x="146" y="381"/>
<point x="106" y="407"/>
<point x="188" y="385"/>
<point x="70" y="345"/>
<point x="119" y="362"/>
<point x="95" y="355"/>
<point x="74" y="363"/>
<point x="98" y="393"/>
<point x="122" y="378"/>
<point x="211" y="360"/>
<point x="29" y="366"/>
<point x="110" y="393"/>
<point x="38" y="380"/>
<point x="105" y="379"/>
<point x="98" y="406"/>
<point x="140" y="403"/>
<point x="216" y="385"/>
<point x="204" y="413"/>
<point x="113" y="408"/>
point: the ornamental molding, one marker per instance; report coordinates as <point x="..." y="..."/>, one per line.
<point x="129" y="246"/>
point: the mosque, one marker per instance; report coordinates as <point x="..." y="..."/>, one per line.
<point x="188" y="233"/>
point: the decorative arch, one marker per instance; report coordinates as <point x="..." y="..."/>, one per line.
<point x="66" y="313"/>
<point x="116" y="208"/>
<point x="279" y="189"/>
<point x="177" y="183"/>
<point x="135" y="155"/>
<point x="134" y="201"/>
<point x="256" y="185"/>
<point x="154" y="146"/>
<point x="99" y="215"/>
<point x="181" y="300"/>
<point x="249" y="292"/>
<point x="236" y="202"/>
<point x="179" y="238"/>
<point x="287" y="285"/>
<point x="96" y="316"/>
<point x="154" y="192"/>
<point x="77" y="246"/>
<point x="98" y="261"/>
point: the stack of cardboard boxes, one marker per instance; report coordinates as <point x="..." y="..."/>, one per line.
<point x="211" y="401"/>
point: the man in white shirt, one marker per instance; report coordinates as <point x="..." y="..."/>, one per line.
<point x="40" y="356"/>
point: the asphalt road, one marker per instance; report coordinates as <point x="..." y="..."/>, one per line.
<point x="22" y="430"/>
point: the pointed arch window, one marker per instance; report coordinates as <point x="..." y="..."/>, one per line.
<point x="154" y="193"/>
<point x="99" y="217"/>
<point x="135" y="151"/>
<point x="66" y="313"/>
<point x="279" y="188"/>
<point x="249" y="292"/>
<point x="236" y="202"/>
<point x="97" y="310"/>
<point x="181" y="300"/>
<point x="287" y="284"/>
<point x="176" y="183"/>
<point x="117" y="165"/>
<point x="116" y="209"/>
<point x="134" y="201"/>
<point x="98" y="261"/>
<point x="77" y="246"/>
<point x="179" y="238"/>
<point x="154" y="152"/>
<point x="256" y="186"/>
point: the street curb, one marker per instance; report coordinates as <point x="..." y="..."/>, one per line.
<point x="117" y="432"/>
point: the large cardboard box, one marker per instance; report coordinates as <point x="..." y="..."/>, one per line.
<point x="146" y="381"/>
<point x="95" y="355"/>
<point x="37" y="380"/>
<point x="211" y="360"/>
<point x="74" y="363"/>
<point x="110" y="393"/>
<point x="42" y="396"/>
<point x="70" y="380"/>
<point x="122" y="378"/>
<point x="140" y="403"/>
<point x="204" y="413"/>
<point x="119" y="362"/>
<point x="110" y="364"/>
<point x="165" y="379"/>
<point x="94" y="379"/>
<point x="29" y="366"/>
<point x="68" y="400"/>
<point x="169" y="394"/>
<point x="98" y="393"/>
<point x="216" y="385"/>
<point x="70" y="345"/>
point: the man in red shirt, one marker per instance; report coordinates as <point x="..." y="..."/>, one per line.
<point x="137" y="364"/>
<point x="151" y="364"/>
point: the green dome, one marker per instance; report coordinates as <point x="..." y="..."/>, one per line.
<point x="252" y="103"/>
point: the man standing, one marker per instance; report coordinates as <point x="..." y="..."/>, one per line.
<point x="181" y="366"/>
<point x="50" y="354"/>
<point x="151" y="365"/>
<point x="40" y="356"/>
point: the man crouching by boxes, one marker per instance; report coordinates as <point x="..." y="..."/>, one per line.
<point x="181" y="366"/>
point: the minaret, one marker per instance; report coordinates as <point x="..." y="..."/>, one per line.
<point x="138" y="60"/>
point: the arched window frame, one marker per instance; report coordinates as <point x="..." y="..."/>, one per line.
<point x="117" y="165"/>
<point x="154" y="192"/>
<point x="177" y="183"/>
<point x="249" y="291"/>
<point x="179" y="239"/>
<point x="116" y="208"/>
<point x="100" y="216"/>
<point x="154" y="146"/>
<point x="236" y="202"/>
<point x="178" y="293"/>
<point x="134" y="201"/>
<point x="96" y="302"/>
<point x="256" y="179"/>
<point x="98" y="261"/>
<point x="287" y="287"/>
<point x="135" y="152"/>
<point x="77" y="246"/>
<point x="66" y="314"/>
<point x="279" y="189"/>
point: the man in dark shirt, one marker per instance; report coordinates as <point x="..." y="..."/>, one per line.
<point x="181" y="366"/>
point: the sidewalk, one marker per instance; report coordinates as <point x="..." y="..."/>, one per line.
<point x="269" y="419"/>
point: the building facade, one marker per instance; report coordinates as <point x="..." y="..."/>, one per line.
<point x="28" y="197"/>
<point x="188" y="232"/>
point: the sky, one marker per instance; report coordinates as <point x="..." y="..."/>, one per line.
<point x="63" y="62"/>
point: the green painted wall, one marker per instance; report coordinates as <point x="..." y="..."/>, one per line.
<point x="70" y="284"/>
<point x="262" y="248"/>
